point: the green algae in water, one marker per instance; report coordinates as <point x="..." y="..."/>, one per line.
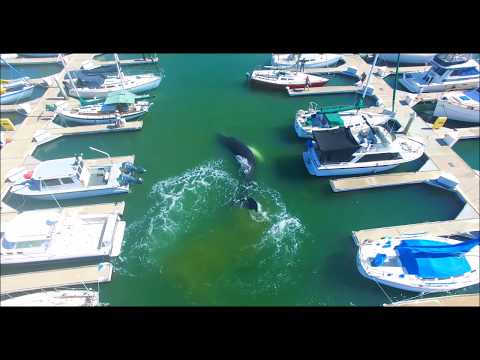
<point x="186" y="241"/>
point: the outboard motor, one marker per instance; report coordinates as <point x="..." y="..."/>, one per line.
<point x="125" y="179"/>
<point x="129" y="168"/>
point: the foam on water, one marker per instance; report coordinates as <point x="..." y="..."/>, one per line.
<point x="180" y="202"/>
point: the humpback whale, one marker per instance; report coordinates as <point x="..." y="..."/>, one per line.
<point x="247" y="162"/>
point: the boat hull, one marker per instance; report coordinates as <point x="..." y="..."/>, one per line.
<point x="15" y="96"/>
<point x="408" y="58"/>
<point x="328" y="61"/>
<point x="55" y="298"/>
<point x="416" y="87"/>
<point x="74" y="194"/>
<point x="104" y="92"/>
<point x="313" y="170"/>
<point x="99" y="119"/>
<point x="458" y="113"/>
<point x="272" y="85"/>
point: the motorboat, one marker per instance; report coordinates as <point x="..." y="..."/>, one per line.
<point x="448" y="72"/>
<point x="100" y="85"/>
<point x="460" y="106"/>
<point x="309" y="60"/>
<point x="13" y="91"/>
<point x="52" y="235"/>
<point x="284" y="78"/>
<point x="407" y="58"/>
<point x="359" y="150"/>
<point x="325" y="119"/>
<point x="74" y="177"/>
<point x="55" y="298"/>
<point x="121" y="103"/>
<point x="421" y="263"/>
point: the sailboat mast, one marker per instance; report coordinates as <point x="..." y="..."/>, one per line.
<point x="369" y="76"/>
<point x="396" y="81"/>
<point x="120" y="74"/>
<point x="70" y="78"/>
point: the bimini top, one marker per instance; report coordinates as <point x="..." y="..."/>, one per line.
<point x="87" y="79"/>
<point x="434" y="259"/>
<point x="451" y="59"/>
<point x="335" y="139"/>
<point x="120" y="97"/>
<point x="55" y="169"/>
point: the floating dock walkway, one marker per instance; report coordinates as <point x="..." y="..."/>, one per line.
<point x="127" y="62"/>
<point x="452" y="300"/>
<point x="46" y="135"/>
<point x="55" y="278"/>
<point x="437" y="228"/>
<point x="323" y="90"/>
<point x="34" y="60"/>
<point x="395" y="179"/>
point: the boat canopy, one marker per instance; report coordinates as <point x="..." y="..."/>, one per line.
<point x="336" y="144"/>
<point x="451" y="59"/>
<point x="55" y="169"/>
<point x="434" y="259"/>
<point x="120" y="97"/>
<point x="89" y="80"/>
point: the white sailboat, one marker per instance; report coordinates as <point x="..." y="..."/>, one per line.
<point x="421" y="263"/>
<point x="310" y="60"/>
<point x="317" y="119"/>
<point x="121" y="103"/>
<point x="460" y="106"/>
<point x="283" y="78"/>
<point x="14" y="91"/>
<point x="86" y="85"/>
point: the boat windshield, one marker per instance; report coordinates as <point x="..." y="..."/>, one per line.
<point x="438" y="70"/>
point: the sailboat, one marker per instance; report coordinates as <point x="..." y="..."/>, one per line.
<point x="84" y="84"/>
<point x="421" y="263"/>
<point x="13" y="91"/>
<point x="311" y="60"/>
<point x="121" y="103"/>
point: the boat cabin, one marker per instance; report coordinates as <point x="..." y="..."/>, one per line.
<point x="451" y="67"/>
<point x="370" y="144"/>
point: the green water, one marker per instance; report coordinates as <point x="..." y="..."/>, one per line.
<point x="469" y="150"/>
<point x="185" y="243"/>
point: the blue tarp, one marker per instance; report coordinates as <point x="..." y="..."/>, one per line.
<point x="434" y="259"/>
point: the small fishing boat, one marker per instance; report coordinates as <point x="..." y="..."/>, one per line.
<point x="74" y="177"/>
<point x="408" y="58"/>
<point x="460" y="106"/>
<point x="284" y="78"/>
<point x="421" y="263"/>
<point x="359" y="150"/>
<point x="122" y="101"/>
<point x="55" y="298"/>
<point x="309" y="60"/>
<point x="448" y="72"/>
<point x="51" y="235"/>
<point x="13" y="91"/>
<point x="325" y="119"/>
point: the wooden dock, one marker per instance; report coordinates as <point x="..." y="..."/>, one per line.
<point x="34" y="61"/>
<point x="374" y="181"/>
<point x="438" y="228"/>
<point x="324" y="90"/>
<point x="451" y="300"/>
<point x="52" y="133"/>
<point x="56" y="278"/>
<point x="127" y="62"/>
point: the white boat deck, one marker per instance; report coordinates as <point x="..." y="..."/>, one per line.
<point x="55" y="278"/>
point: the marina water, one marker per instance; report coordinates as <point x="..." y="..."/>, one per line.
<point x="188" y="243"/>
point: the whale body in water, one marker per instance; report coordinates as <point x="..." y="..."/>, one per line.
<point x="246" y="159"/>
<point x="242" y="153"/>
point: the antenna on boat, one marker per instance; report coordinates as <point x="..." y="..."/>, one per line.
<point x="120" y="74"/>
<point x="100" y="151"/>
<point x="369" y="76"/>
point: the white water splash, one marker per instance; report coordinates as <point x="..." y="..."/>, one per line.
<point x="185" y="200"/>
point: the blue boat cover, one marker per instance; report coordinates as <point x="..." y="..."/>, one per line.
<point x="435" y="259"/>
